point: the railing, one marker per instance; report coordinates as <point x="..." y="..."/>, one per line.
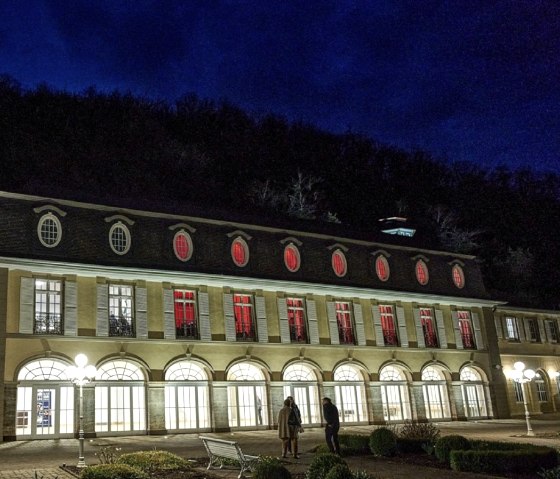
<point x="187" y="331"/>
<point x="48" y="324"/>
<point x="390" y="337"/>
<point x="121" y="327"/>
<point x="298" y="333"/>
<point x="468" y="341"/>
<point x="246" y="335"/>
<point x="345" y="335"/>
<point x="430" y="339"/>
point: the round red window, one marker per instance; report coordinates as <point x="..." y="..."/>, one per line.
<point x="291" y="258"/>
<point x="182" y="245"/>
<point x="422" y="272"/>
<point x="382" y="268"/>
<point x="339" y="263"/>
<point x="240" y="252"/>
<point x="458" y="276"/>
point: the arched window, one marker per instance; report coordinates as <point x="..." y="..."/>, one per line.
<point x="182" y="245"/>
<point x="247" y="396"/>
<point x="338" y="262"/>
<point x="382" y="268"/>
<point x="542" y="386"/>
<point x="350" y="394"/>
<point x="303" y="388"/>
<point x="473" y="393"/>
<point x="422" y="272"/>
<point x="240" y="252"/>
<point x="292" y="259"/>
<point x="436" y="397"/>
<point x="394" y="394"/>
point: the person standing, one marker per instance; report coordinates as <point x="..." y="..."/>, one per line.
<point x="295" y="420"/>
<point x="287" y="431"/>
<point x="330" y="414"/>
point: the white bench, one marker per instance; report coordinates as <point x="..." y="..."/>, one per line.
<point x="218" y="450"/>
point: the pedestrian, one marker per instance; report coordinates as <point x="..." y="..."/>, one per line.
<point x="286" y="431"/>
<point x="330" y="414"/>
<point x="295" y="420"/>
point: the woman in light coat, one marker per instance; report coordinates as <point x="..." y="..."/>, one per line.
<point x="287" y="432"/>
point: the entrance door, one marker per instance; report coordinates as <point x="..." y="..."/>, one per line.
<point x="305" y="397"/>
<point x="246" y="406"/>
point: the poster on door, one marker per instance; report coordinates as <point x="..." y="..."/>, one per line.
<point x="44" y="408"/>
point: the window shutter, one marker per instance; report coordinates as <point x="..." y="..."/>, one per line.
<point x="542" y="332"/>
<point x="312" y="321"/>
<point x="527" y="329"/>
<point x="379" y="340"/>
<point x="477" y="331"/>
<point x="26" y="305"/>
<point x="102" y="310"/>
<point x="333" y="325"/>
<point x="419" y="329"/>
<point x="359" y="321"/>
<point x="499" y="328"/>
<point x="204" y="317"/>
<point x="442" y="338"/>
<point x="70" y="308"/>
<point x="458" y="338"/>
<point x="283" y="316"/>
<point x="169" y="330"/>
<point x="403" y="335"/>
<point x="262" y="326"/>
<point x="521" y="329"/>
<point x="229" y="317"/>
<point x="550" y="324"/>
<point x="141" y="303"/>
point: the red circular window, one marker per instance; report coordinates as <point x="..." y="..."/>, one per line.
<point x="240" y="252"/>
<point x="382" y="268"/>
<point x="291" y="258"/>
<point x="339" y="263"/>
<point x="458" y="276"/>
<point x="182" y="245"/>
<point x="422" y="272"/>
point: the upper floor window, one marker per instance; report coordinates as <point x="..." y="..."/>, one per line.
<point x="465" y="328"/>
<point x="552" y="328"/>
<point x="119" y="238"/>
<point x="49" y="230"/>
<point x="339" y="263"/>
<point x="121" y="321"/>
<point x="458" y="276"/>
<point x="512" y="329"/>
<point x="518" y="390"/>
<point x="428" y="327"/>
<point x="296" y="320"/>
<point x="48" y="310"/>
<point x="534" y="333"/>
<point x="422" y="272"/>
<point x="541" y="387"/>
<point x="243" y="312"/>
<point x="291" y="257"/>
<point x="240" y="252"/>
<point x="186" y="325"/>
<point x="382" y="268"/>
<point x="388" y="325"/>
<point x="344" y="322"/>
<point x="182" y="245"/>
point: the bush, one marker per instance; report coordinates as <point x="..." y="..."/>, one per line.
<point x="151" y="461"/>
<point x="340" y="471"/>
<point x="550" y="473"/>
<point x="270" y="468"/>
<point x="354" y="444"/>
<point x="112" y="471"/>
<point x="322" y="464"/>
<point x="446" y="444"/>
<point x="383" y="442"/>
<point x="364" y="475"/>
<point x="425" y="431"/>
<point x="412" y="446"/>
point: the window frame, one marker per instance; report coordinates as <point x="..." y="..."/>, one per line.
<point x="121" y="325"/>
<point x="533" y="330"/>
<point x="293" y="249"/>
<point x="423" y="278"/>
<point x="345" y="322"/>
<point x="428" y="323"/>
<point x="181" y="323"/>
<point x="294" y="328"/>
<point x="244" y="246"/>
<point x="390" y="335"/>
<point x="50" y="294"/>
<point x="240" y="317"/>
<point x="464" y="323"/>
<point x="458" y="276"/>
<point x="188" y="239"/>
<point x="512" y="328"/>
<point x="126" y="234"/>
<point x="382" y="260"/>
<point x="56" y="221"/>
<point x="338" y="253"/>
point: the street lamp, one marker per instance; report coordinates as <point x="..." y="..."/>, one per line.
<point x="81" y="374"/>
<point x="521" y="375"/>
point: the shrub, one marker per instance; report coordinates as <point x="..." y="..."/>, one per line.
<point x="322" y="464"/>
<point x="354" y="444"/>
<point x="270" y="468"/>
<point x="446" y="444"/>
<point x="407" y="445"/>
<point x="419" y="430"/>
<point x="340" y="471"/>
<point x="151" y="461"/>
<point x="112" y="471"/>
<point x="108" y="455"/>
<point x="553" y="473"/>
<point x="362" y="475"/>
<point x="383" y="442"/>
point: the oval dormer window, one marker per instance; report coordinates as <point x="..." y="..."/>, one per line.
<point x="458" y="276"/>
<point x="49" y="230"/>
<point x="119" y="238"/>
<point x="382" y="268"/>
<point x="422" y="272"/>
<point x="339" y="263"/>
<point x="292" y="258"/>
<point x="182" y="245"/>
<point x="239" y="252"/>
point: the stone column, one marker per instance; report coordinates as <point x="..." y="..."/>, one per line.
<point x="417" y="403"/>
<point x="219" y="407"/>
<point x="156" y="408"/>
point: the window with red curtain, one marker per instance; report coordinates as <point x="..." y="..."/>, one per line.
<point x="388" y="324"/>
<point x="339" y="263"/>
<point x="466" y="329"/>
<point x="296" y="320"/>
<point x="382" y="268"/>
<point x="421" y="272"/>
<point x="458" y="276"/>
<point x="239" y="252"/>
<point x="291" y="258"/>
<point x="344" y="320"/>
<point x="182" y="246"/>
<point x="427" y="320"/>
<point x="185" y="313"/>
<point x="243" y="312"/>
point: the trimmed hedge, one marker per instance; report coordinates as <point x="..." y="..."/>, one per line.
<point x="354" y="444"/>
<point x="112" y="471"/>
<point x="446" y="444"/>
<point x="270" y="468"/>
<point x="407" y="445"/>
<point x="322" y="464"/>
<point x="383" y="442"/>
<point x="151" y="461"/>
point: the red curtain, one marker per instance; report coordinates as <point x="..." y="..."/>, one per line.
<point x="184" y="307"/>
<point x="243" y="311"/>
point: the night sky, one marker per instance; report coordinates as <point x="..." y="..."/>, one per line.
<point x="465" y="80"/>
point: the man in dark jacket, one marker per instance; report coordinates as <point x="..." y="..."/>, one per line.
<point x="330" y="414"/>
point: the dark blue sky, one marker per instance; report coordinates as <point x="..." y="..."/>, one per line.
<point x="468" y="80"/>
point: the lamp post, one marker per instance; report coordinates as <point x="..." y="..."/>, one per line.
<point x="522" y="376"/>
<point x="81" y="374"/>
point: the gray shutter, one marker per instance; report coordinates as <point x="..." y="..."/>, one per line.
<point x="403" y="335"/>
<point x="283" y="316"/>
<point x="229" y="317"/>
<point x="499" y="328"/>
<point x="527" y="329"/>
<point x="419" y="329"/>
<point x="70" y="308"/>
<point x="141" y="303"/>
<point x="442" y="338"/>
<point x="204" y="317"/>
<point x="333" y="324"/>
<point x="542" y="332"/>
<point x="477" y="331"/>
<point x="312" y="321"/>
<point x="458" y="338"/>
<point x="262" y="325"/>
<point x="169" y="331"/>
<point x="102" y="310"/>
<point x="379" y="339"/>
<point x="359" y="322"/>
<point x="521" y="329"/>
<point x="26" y="305"/>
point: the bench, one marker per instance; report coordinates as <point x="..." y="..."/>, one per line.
<point x="218" y="450"/>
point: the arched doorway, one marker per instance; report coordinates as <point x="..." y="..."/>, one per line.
<point x="247" y="401"/>
<point x="473" y="393"/>
<point x="303" y="388"/>
<point x="436" y="397"/>
<point x="350" y="394"/>
<point x="394" y="393"/>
